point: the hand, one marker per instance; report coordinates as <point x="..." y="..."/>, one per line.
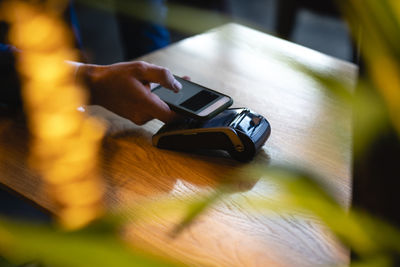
<point x="124" y="88"/>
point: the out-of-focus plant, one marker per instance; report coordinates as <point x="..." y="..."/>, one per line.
<point x="63" y="148"/>
<point x="375" y="103"/>
<point x="95" y="245"/>
<point x="378" y="106"/>
<point x="379" y="24"/>
<point x="64" y="144"/>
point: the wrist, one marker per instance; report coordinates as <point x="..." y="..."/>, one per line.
<point x="84" y="75"/>
<point x="90" y="75"/>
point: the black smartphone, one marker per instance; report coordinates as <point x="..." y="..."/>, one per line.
<point x="193" y="100"/>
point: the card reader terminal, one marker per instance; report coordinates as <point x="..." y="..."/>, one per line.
<point x="239" y="131"/>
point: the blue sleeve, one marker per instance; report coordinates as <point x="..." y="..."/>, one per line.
<point x="10" y="92"/>
<point x="5" y="48"/>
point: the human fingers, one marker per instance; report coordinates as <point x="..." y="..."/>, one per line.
<point x="152" y="73"/>
<point x="159" y="109"/>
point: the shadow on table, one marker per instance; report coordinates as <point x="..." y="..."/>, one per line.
<point x="131" y="164"/>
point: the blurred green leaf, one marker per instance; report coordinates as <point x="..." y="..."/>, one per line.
<point x="24" y="242"/>
<point x="378" y="24"/>
<point x="5" y="263"/>
<point x="357" y="230"/>
<point x="371" y="238"/>
<point x="370" y="116"/>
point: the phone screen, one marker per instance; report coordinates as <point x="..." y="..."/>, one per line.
<point x="192" y="96"/>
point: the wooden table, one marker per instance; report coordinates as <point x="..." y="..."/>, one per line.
<point x="310" y="128"/>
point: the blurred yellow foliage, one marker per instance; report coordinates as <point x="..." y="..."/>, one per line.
<point x="65" y="143"/>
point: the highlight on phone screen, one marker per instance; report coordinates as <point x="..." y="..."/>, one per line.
<point x="193" y="98"/>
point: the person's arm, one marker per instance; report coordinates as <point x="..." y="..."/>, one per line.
<point x="124" y="88"/>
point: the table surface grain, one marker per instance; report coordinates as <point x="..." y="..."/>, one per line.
<point x="310" y="129"/>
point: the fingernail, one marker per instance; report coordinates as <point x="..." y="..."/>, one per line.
<point x="177" y="85"/>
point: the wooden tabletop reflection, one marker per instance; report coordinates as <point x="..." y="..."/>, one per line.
<point x="310" y="129"/>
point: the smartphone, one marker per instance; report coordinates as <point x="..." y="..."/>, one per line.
<point x="193" y="100"/>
